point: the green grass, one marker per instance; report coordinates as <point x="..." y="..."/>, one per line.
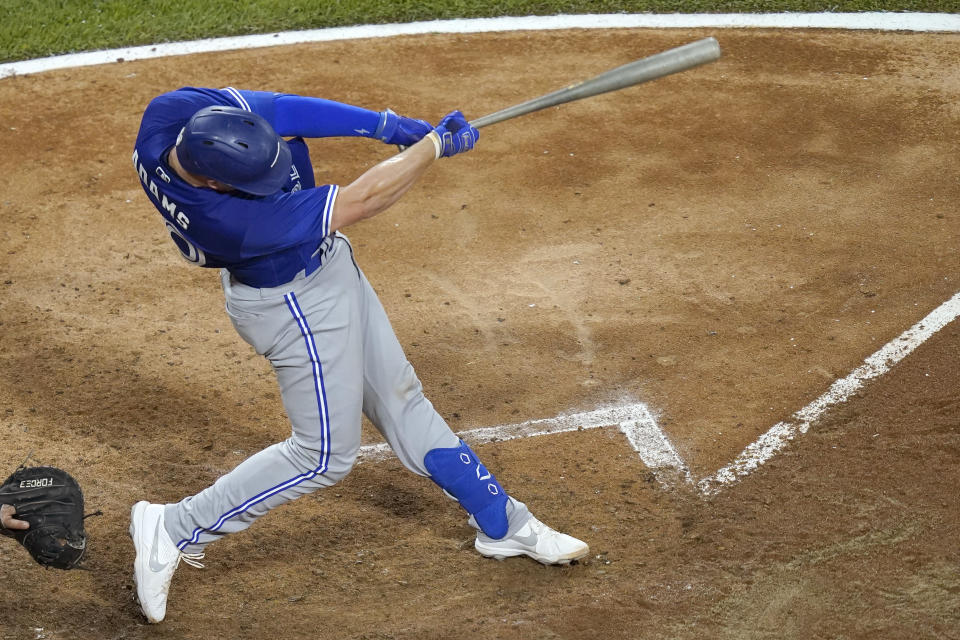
<point x="39" y="28"/>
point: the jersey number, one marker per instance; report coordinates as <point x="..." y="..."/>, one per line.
<point x="189" y="252"/>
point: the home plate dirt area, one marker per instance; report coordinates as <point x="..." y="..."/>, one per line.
<point x="713" y="249"/>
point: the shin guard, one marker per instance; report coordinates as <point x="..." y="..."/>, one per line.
<point x="460" y="473"/>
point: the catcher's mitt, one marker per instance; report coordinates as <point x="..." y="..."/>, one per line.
<point x="52" y="502"/>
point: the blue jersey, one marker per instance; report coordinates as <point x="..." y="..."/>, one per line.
<point x="263" y="241"/>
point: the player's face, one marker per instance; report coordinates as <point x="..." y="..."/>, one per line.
<point x="216" y="185"/>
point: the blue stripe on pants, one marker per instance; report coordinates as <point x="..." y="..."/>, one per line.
<point x="324" y="415"/>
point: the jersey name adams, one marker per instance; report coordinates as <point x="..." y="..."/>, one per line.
<point x="171" y="207"/>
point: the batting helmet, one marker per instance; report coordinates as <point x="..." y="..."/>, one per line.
<point x="236" y="147"/>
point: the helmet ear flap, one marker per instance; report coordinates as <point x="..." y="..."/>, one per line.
<point x="235" y="147"/>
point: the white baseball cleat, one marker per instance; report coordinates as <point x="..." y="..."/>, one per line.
<point x="157" y="559"/>
<point x="536" y="540"/>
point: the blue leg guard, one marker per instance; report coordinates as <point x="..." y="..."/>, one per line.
<point x="460" y="473"/>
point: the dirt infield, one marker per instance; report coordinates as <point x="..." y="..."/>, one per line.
<point x="720" y="245"/>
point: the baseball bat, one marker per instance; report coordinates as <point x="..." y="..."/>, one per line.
<point x="637" y="72"/>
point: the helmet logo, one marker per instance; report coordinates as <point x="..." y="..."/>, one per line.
<point x="277" y="156"/>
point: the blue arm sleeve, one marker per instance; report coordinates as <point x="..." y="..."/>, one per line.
<point x="293" y="115"/>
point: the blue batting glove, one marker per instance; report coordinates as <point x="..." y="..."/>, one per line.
<point x="456" y="134"/>
<point x="398" y="130"/>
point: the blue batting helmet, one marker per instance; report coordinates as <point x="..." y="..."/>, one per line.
<point x="236" y="147"/>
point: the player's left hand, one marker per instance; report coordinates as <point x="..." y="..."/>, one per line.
<point x="399" y="130"/>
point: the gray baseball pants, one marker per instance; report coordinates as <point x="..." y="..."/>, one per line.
<point x="335" y="355"/>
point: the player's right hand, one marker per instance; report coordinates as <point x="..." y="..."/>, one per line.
<point x="456" y="134"/>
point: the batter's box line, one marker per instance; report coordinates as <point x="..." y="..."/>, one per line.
<point x="634" y="420"/>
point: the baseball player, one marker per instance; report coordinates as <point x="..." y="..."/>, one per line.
<point x="230" y="173"/>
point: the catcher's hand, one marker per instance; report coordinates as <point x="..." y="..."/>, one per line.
<point x="7" y="521"/>
<point x="50" y="501"/>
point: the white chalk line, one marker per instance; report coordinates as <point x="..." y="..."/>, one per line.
<point x="654" y="448"/>
<point x="882" y="21"/>
<point x="634" y="420"/>
<point x="780" y="434"/>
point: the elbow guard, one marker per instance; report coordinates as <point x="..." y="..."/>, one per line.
<point x="460" y="473"/>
